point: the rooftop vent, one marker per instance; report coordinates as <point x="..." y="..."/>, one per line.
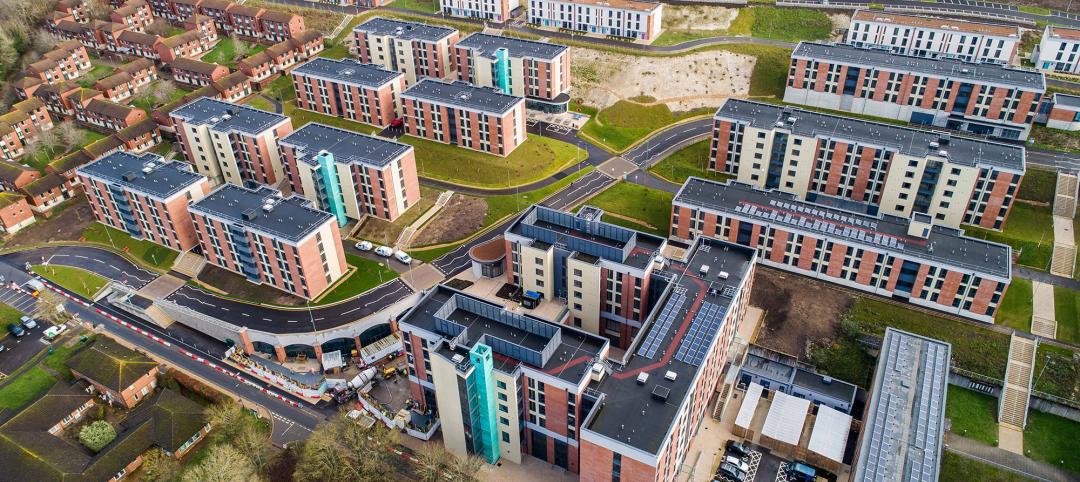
<point x="826" y="380"/>
<point x="642" y="378"/>
<point x="704" y="270"/>
<point x="268" y="207"/>
<point x="130" y="176"/>
<point x="249" y="214"/>
<point x="722" y="275"/>
<point x="661" y="393"/>
<point x="597" y="371"/>
<point x="670" y="375"/>
<point x="458" y="358"/>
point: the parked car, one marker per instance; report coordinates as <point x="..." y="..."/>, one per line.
<point x="364" y="245"/>
<point x="28" y="323"/>
<point x="731" y="472"/>
<point x="403" y="257"/>
<point x="384" y="251"/>
<point x="2" y="348"/>
<point x="800" y="472"/>
<point x="737" y="449"/>
<point x="34" y="287"/>
<point x="54" y="331"/>
<point x="738" y="462"/>
<point x="15" y="329"/>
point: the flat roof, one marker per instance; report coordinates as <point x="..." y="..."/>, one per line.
<point x="148" y="173"/>
<point x="938" y="23"/>
<point x="291" y="218"/>
<point x="943" y="245"/>
<point x="787" y="415"/>
<point x="960" y="150"/>
<point x="619" y="4"/>
<point x="348" y="70"/>
<point x="226" y="116"/>
<point x="1066" y="100"/>
<point x="569" y="350"/>
<point x="679" y="333"/>
<point x="345" y="146"/>
<point x="1063" y="32"/>
<point x="902" y="432"/>
<point x="486" y="45"/>
<point x="462" y="94"/>
<point x="404" y="30"/>
<point x="748" y="406"/>
<point x="952" y="69"/>
<point x="586" y="233"/>
<point x="830" y="434"/>
<point x="824" y="385"/>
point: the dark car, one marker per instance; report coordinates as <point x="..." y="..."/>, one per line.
<point x="731" y="472"/>
<point x="15" y="329"/>
<point x="737" y="449"/>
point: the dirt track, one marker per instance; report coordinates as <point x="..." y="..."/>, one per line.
<point x="797" y="310"/>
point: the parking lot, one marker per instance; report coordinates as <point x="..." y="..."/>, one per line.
<point x="17" y="351"/>
<point x="763" y="466"/>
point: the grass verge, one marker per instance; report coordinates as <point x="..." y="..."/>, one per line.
<point x="973" y="414"/>
<point x="368" y="274"/>
<point x="1053" y="439"/>
<point x="149" y="253"/>
<point x="956" y="467"/>
<point x="1015" y="309"/>
<point x="78" y="281"/>
<point x="1067" y="313"/>
<point x="689" y="161"/>
<point x="627" y="121"/>
<point x="636" y="202"/>
<point x="535" y="159"/>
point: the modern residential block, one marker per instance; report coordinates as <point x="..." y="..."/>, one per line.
<point x="280" y="241"/>
<point x="415" y="49"/>
<point x="985" y="99"/>
<point x="509" y="384"/>
<point x="1064" y="112"/>
<point x="351" y="175"/>
<point x="231" y="143"/>
<point x="145" y="196"/>
<point x="632" y="19"/>
<point x="477" y="118"/>
<point x="495" y="10"/>
<point x="1058" y="51"/>
<point x="866" y="166"/>
<point x="911" y="259"/>
<point x="349" y="89"/>
<point x="538" y="71"/>
<point x="603" y="271"/>
<point x="934" y="37"/>
<point x="907" y="405"/>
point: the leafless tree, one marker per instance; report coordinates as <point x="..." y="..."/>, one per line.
<point x="241" y="49"/>
<point x="158" y="27"/>
<point x="434" y="463"/>
<point x="46" y="142"/>
<point x="158" y="466"/>
<point x="223" y="463"/>
<point x="70" y="135"/>
<point x="98" y="9"/>
<point x="44" y="40"/>
<point x="344" y="451"/>
<point x="163" y="91"/>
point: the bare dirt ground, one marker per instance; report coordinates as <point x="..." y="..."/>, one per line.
<point x="462" y="216"/>
<point x="67" y="225"/>
<point x="840" y="22"/>
<point x="798" y="310"/>
<point x="698" y="17"/>
<point x="698" y="80"/>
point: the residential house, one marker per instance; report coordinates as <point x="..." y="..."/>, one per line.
<point x="197" y="72"/>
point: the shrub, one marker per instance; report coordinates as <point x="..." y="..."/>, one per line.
<point x="97" y="435"/>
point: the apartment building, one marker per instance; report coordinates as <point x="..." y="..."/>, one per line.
<point x="934" y="37"/>
<point x="128" y="79"/>
<point x="231" y="143"/>
<point x="415" y="49"/>
<point x="508" y="384"/>
<point x="282" y="242"/>
<point x="477" y="118"/>
<point x="244" y="21"/>
<point x="15" y="213"/>
<point x="196" y="72"/>
<point x="21" y="126"/>
<point x="120" y="374"/>
<point x="1058" y="51"/>
<point x="136" y="14"/>
<point x="350" y="175"/>
<point x="278" y="26"/>
<point x="629" y="19"/>
<point x="1064" y="112"/>
<point x="349" y="89"/>
<point x="603" y="271"/>
<point x="984" y="99"/>
<point x="106" y="115"/>
<point x="908" y="258"/>
<point x="141" y="44"/>
<point x="538" y="71"/>
<point x="866" y="166"/>
<point x="144" y="196"/>
<point x="67" y="61"/>
<point x="495" y="10"/>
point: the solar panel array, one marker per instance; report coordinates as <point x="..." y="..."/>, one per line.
<point x="820" y="220"/>
<point x="663" y="323"/>
<point x="703" y="329"/>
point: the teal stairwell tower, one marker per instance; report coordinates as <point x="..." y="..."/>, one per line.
<point x="502" y="70"/>
<point x="331" y="187"/>
<point x="485" y="431"/>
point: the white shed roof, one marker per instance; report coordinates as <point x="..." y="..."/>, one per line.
<point x="749" y="405"/>
<point x="829" y="437"/>
<point x="786" y="418"/>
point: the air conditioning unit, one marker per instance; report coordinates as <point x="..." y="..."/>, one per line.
<point x="642" y="378"/>
<point x="670" y="375"/>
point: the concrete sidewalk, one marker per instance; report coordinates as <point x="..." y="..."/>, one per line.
<point x="1003" y="458"/>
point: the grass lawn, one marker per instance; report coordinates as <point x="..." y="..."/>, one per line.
<point x="769" y="77"/>
<point x="640" y="203"/>
<point x="1053" y="439"/>
<point x="1067" y="313"/>
<point x="149" y="253"/>
<point x="260" y="102"/>
<point x="1026" y="231"/>
<point x="425" y="6"/>
<point x="163" y="149"/>
<point x="506" y="204"/>
<point x="1034" y="10"/>
<point x="384" y="232"/>
<point x="973" y="414"/>
<point x="535" y="159"/>
<point x="789" y="24"/>
<point x="25" y="388"/>
<point x="688" y="161"/>
<point x="1038" y="185"/>
<point x="846" y="360"/>
<point x="336" y="52"/>
<point x="78" y="281"/>
<point x="225" y="53"/>
<point x="366" y="276"/>
<point x="429" y="255"/>
<point x="96" y="73"/>
<point x="301" y="117"/>
<point x="281" y="88"/>
<point x="1015" y="309"/>
<point x="148" y="103"/>
<point x="1056" y="371"/>
<point x="8" y="315"/>
<point x="38" y="160"/>
<point x="955" y="467"/>
<point x="617" y="127"/>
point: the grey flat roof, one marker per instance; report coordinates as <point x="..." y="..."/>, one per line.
<point x="149" y="173"/>
<point x="914" y="142"/>
<point x="226" y="116"/>
<point x="404" y="30"/>
<point x="885" y="233"/>
<point x="346" y="146"/>
<point x="941" y="67"/>
<point x="291" y="218"/>
<point x="461" y="94"/>
<point x="1066" y="100"/>
<point x="902" y="433"/>
<point x="349" y="71"/>
<point x="837" y="389"/>
<point x="603" y="240"/>
<point x="619" y="415"/>
<point x="486" y="45"/>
